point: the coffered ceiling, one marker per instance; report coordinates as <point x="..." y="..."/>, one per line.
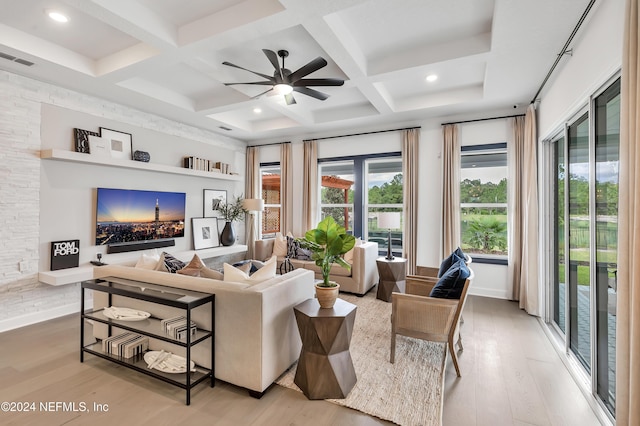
<point x="165" y="57"/>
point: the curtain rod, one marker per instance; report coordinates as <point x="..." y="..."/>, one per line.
<point x="361" y="134"/>
<point x="484" y="119"/>
<point x="565" y="48"/>
<point x="268" y="144"/>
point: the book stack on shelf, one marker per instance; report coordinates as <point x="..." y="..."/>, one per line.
<point x="196" y="163"/>
<point x="177" y="327"/>
<point x="126" y="345"/>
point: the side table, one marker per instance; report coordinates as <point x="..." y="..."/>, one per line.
<point x="393" y="275"/>
<point x="325" y="368"/>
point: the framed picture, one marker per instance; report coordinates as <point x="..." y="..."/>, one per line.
<point x="205" y="232"/>
<point x="81" y="139"/>
<point x="120" y="143"/>
<point x="211" y="200"/>
<point x="99" y="146"/>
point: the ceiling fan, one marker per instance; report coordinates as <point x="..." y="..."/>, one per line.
<point x="284" y="82"/>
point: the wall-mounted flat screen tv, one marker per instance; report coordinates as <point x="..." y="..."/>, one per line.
<point x="128" y="216"/>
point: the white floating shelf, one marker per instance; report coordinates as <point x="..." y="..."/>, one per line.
<point x="85" y="272"/>
<point x="78" y="157"/>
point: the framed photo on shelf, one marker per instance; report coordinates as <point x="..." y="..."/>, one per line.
<point x="211" y="200"/>
<point x="99" y="147"/>
<point x="119" y="142"/>
<point x="205" y="232"/>
<point x="81" y="139"/>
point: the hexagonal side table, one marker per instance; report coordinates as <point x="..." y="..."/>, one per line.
<point x="325" y="369"/>
<point x="393" y="277"/>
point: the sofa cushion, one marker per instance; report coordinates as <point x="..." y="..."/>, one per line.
<point x="280" y="245"/>
<point x="233" y="274"/>
<point x="450" y="285"/>
<point x="148" y="260"/>
<point x="335" y="269"/>
<point x="348" y="256"/>
<point x="196" y="268"/>
<point x="295" y="251"/>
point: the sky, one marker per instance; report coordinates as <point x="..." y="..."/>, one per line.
<point x="119" y="205"/>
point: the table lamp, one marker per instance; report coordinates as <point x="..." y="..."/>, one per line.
<point x="389" y="220"/>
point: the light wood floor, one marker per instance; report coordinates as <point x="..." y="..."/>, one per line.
<point x="511" y="376"/>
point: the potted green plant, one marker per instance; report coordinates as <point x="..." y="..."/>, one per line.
<point x="230" y="212"/>
<point x="327" y="243"/>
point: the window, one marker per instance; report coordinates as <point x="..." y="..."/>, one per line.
<point x="359" y="191"/>
<point x="483" y="200"/>
<point x="337" y="191"/>
<point x="270" y="187"/>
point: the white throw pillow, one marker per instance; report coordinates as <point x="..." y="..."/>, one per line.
<point x="280" y="245"/>
<point x="348" y="256"/>
<point x="148" y="260"/>
<point x="268" y="271"/>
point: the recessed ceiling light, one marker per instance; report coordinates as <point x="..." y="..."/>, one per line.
<point x="257" y="110"/>
<point x="57" y="16"/>
<point x="431" y="78"/>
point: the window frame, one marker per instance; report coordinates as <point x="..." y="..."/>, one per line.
<point x="265" y="167"/>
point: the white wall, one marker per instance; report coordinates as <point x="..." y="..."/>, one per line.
<point x="597" y="56"/>
<point x="45" y="200"/>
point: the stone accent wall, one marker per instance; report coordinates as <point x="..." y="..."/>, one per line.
<point x="23" y="300"/>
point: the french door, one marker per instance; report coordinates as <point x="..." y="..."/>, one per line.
<point x="582" y="193"/>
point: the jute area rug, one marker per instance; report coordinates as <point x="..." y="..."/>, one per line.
<point x="408" y="392"/>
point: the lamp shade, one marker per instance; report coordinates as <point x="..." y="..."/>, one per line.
<point x="389" y="220"/>
<point x="253" y="204"/>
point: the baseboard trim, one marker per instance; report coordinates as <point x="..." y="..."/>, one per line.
<point x="489" y="292"/>
<point x="40" y="316"/>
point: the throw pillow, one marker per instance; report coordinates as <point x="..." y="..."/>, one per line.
<point x="295" y="251"/>
<point x="197" y="268"/>
<point x="148" y="261"/>
<point x="280" y="245"/>
<point x="450" y="285"/>
<point x="233" y="274"/>
<point x="446" y="263"/>
<point x="169" y="263"/>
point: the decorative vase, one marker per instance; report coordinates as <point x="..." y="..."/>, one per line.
<point x="141" y="156"/>
<point x="327" y="295"/>
<point x="228" y="236"/>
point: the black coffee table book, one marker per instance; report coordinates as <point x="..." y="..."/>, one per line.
<point x="151" y="327"/>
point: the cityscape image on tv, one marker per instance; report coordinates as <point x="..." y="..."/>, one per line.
<point x="124" y="216"/>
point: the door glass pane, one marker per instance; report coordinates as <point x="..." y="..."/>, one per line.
<point x="607" y="129"/>
<point x="384" y="203"/>
<point x="270" y="181"/>
<point x="579" y="243"/>
<point x="559" y="288"/>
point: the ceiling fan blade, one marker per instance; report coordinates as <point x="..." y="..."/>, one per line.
<point x="311" y="92"/>
<point x="319" y="82"/>
<point x="268" y="77"/>
<point x="312" y="66"/>
<point x="290" y="99"/>
<point x="260" y="94"/>
<point x="273" y="58"/>
<point x="260" y="83"/>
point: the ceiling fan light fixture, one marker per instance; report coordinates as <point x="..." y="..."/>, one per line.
<point x="282" y="89"/>
<point x="57" y="16"/>
<point x="431" y="78"/>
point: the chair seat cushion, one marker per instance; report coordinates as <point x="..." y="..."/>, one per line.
<point x="450" y="285"/>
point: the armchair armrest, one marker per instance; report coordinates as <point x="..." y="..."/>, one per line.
<point x="364" y="268"/>
<point x="421" y="317"/>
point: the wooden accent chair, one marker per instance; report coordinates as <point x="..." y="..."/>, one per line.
<point x="417" y="315"/>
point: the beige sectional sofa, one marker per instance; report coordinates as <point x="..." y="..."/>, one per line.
<point x="359" y="280"/>
<point x="256" y="337"/>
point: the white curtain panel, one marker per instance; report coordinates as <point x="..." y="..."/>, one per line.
<point x="450" y="189"/>
<point x="286" y="190"/>
<point x="310" y="185"/>
<point x="410" y="142"/>
<point x="252" y="190"/>
<point x="628" y="305"/>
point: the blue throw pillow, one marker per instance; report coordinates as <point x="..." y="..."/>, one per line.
<point x="450" y="285"/>
<point x="460" y="254"/>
